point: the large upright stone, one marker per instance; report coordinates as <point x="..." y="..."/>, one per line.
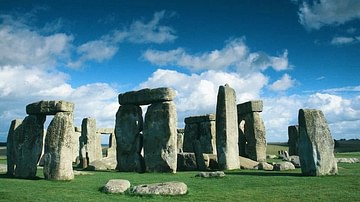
<point x="227" y="129"/>
<point x="92" y="141"/>
<point x="160" y="126"/>
<point x="49" y="107"/>
<point x="180" y="140"/>
<point x="202" y="129"/>
<point x="146" y="96"/>
<point x="10" y="147"/>
<point x="252" y="134"/>
<point x="58" y="155"/>
<point x="316" y="146"/>
<point x="293" y="141"/>
<point x="28" y="144"/>
<point x="129" y="124"/>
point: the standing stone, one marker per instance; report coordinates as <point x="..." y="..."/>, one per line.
<point x="92" y="140"/>
<point x="180" y="140"/>
<point x="252" y="134"/>
<point x="129" y="124"/>
<point x="316" y="146"/>
<point x="58" y="147"/>
<point x="28" y="144"/>
<point x="10" y="147"/>
<point x="293" y="134"/>
<point x="200" y="162"/>
<point x="227" y="129"/>
<point x="160" y="126"/>
<point x="76" y="143"/>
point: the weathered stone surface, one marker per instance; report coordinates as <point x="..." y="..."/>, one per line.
<point x="293" y="134"/>
<point x="265" y="166"/>
<point x="129" y="124"/>
<point x="49" y="107"/>
<point x="116" y="186"/>
<point x="295" y="160"/>
<point x="348" y="160"/>
<point x="75" y="147"/>
<point x="186" y="161"/>
<point x="227" y="129"/>
<point x="28" y="144"/>
<point x="111" y="150"/>
<point x="249" y="107"/>
<point x="316" y="146"/>
<point x="166" y="188"/>
<point x="246" y="163"/>
<point x="10" y="147"/>
<point x="285" y="165"/>
<point x="160" y="137"/>
<point x="255" y="135"/>
<point x="200" y="161"/>
<point x="91" y="140"/>
<point x="147" y="96"/>
<point x="3" y="168"/>
<point x="201" y="128"/>
<point x="108" y="163"/>
<point x="211" y="174"/>
<point x="180" y="140"/>
<point x="58" y="147"/>
<point x="199" y="119"/>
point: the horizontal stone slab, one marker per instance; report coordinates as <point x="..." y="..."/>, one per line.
<point x="147" y="96"/>
<point x="251" y="106"/>
<point x="49" y="107"/>
<point x="199" y="119"/>
<point x="105" y="130"/>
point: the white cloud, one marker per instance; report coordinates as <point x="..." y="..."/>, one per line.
<point x="342" y="40"/>
<point x="328" y="12"/>
<point x="283" y="84"/>
<point x="235" y="54"/>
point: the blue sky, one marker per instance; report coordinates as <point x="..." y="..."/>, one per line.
<point x="292" y="54"/>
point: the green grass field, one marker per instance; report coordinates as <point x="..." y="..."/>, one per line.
<point x="237" y="185"/>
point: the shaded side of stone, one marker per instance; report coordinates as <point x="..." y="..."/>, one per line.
<point x="227" y="129"/>
<point x="147" y="96"/>
<point x="92" y="141"/>
<point x="129" y="124"/>
<point x="49" y="107"/>
<point x="251" y="106"/>
<point x="58" y="147"/>
<point x="293" y="141"/>
<point x="160" y="137"/>
<point x="10" y="147"/>
<point x="316" y="145"/>
<point x="28" y="143"/>
<point x="199" y="119"/>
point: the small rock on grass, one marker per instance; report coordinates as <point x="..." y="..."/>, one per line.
<point x="165" y="189"/>
<point x="211" y="174"/>
<point x="116" y="186"/>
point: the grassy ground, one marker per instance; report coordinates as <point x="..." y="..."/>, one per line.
<point x="238" y="185"/>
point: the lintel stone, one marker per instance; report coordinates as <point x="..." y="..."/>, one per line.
<point x="49" y="107"/>
<point x="199" y="119"/>
<point x="251" y="106"/>
<point x="147" y="96"/>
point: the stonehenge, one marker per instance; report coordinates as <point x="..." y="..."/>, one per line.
<point x="293" y="142"/>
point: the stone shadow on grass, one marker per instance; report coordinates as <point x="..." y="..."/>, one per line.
<point x="4" y="176"/>
<point x="266" y="174"/>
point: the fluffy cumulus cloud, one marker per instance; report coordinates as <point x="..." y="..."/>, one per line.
<point x="283" y="84"/>
<point x="139" y="32"/>
<point x="328" y="12"/>
<point x="344" y="40"/>
<point x="235" y="55"/>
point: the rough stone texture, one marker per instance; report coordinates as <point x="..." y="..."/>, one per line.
<point x="211" y="174"/>
<point x="3" y="168"/>
<point x="293" y="134"/>
<point x="108" y="163"/>
<point x="180" y="140"/>
<point x="246" y="163"/>
<point x="295" y="160"/>
<point x="160" y="137"/>
<point x="115" y="186"/>
<point x="49" y="107"/>
<point x="28" y="144"/>
<point x="111" y="150"/>
<point x="316" y="145"/>
<point x="253" y="136"/>
<point x="227" y="129"/>
<point x="265" y="166"/>
<point x="75" y="145"/>
<point x="285" y="165"/>
<point x="91" y="140"/>
<point x="10" y="147"/>
<point x="186" y="161"/>
<point x="58" y="147"/>
<point x="201" y="128"/>
<point x="147" y="96"/>
<point x="166" y="188"/>
<point x="348" y="160"/>
<point x="200" y="161"/>
<point x="129" y="124"/>
<point x="249" y="107"/>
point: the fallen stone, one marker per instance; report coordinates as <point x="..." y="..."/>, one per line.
<point x="166" y="189"/>
<point x="147" y="96"/>
<point x="271" y="156"/>
<point x="78" y="173"/>
<point x="211" y="174"/>
<point x="295" y="160"/>
<point x="108" y="163"/>
<point x="281" y="166"/>
<point x="348" y="160"/>
<point x="116" y="186"/>
<point x="246" y="163"/>
<point x="49" y="107"/>
<point x="265" y="166"/>
<point x="3" y="168"/>
<point x="251" y="106"/>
